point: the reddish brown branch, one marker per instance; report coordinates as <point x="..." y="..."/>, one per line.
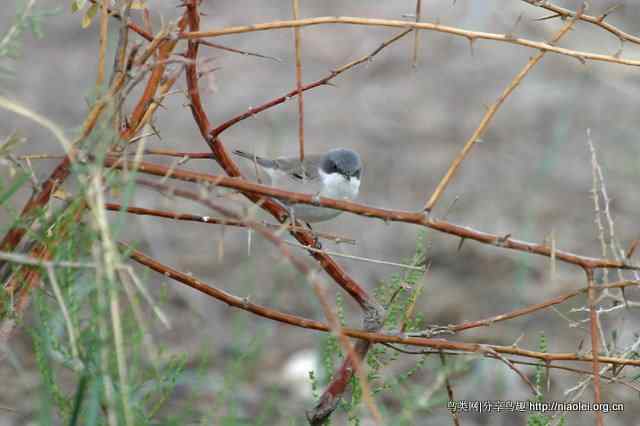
<point x="214" y="220"/>
<point x="331" y="396"/>
<point x="373" y="312"/>
<point x="372" y="337"/>
<point x="180" y="154"/>
<point x="221" y="295"/>
<point x="417" y="218"/>
<point x="536" y="307"/>
<point x="355" y="290"/>
<point x="37" y="200"/>
<point x="321" y="82"/>
<point x="18" y="290"/>
<point x="164" y="50"/>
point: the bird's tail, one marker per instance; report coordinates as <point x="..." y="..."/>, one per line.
<point x="264" y="162"/>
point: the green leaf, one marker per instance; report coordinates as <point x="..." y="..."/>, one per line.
<point x="17" y="183"/>
<point x="11" y="143"/>
<point x="76" y="5"/>
<point x="88" y="17"/>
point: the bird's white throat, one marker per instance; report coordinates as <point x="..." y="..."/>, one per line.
<point x="336" y="185"/>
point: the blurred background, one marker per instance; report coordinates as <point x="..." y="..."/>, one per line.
<point x="531" y="177"/>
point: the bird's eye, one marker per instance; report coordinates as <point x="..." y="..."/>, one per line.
<point x="357" y="174"/>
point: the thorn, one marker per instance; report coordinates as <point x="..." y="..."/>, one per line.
<point x="632" y="249"/>
<point x="510" y="35"/>
<point x="245" y="301"/>
<point x="462" y="240"/>
<point x="518" y="340"/>
<point x="501" y="240"/>
<point x="608" y="11"/>
<point x="556" y="15"/>
<point x="618" y="54"/>
<point x="471" y="41"/>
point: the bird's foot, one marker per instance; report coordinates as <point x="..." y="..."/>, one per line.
<point x="316" y="239"/>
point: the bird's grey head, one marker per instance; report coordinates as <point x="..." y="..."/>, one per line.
<point x="342" y="161"/>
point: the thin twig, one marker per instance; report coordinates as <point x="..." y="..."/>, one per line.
<point x="416" y="39"/>
<point x="484" y="123"/>
<point x="595" y="20"/>
<point x="214" y="220"/>
<point x="469" y="35"/>
<point x="32" y="261"/>
<point x="447" y="383"/>
<point x="298" y="48"/>
<point x="320" y="82"/>
<point x="595" y="347"/>
<point x="242" y="52"/>
<point x="65" y="313"/>
<point x="509" y="364"/>
<point x="418" y="218"/>
<point x="362" y="259"/>
<point x="535" y="307"/>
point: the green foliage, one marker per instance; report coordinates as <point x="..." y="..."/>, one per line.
<point x="399" y="292"/>
<point x="540" y="419"/>
<point x="27" y="18"/>
<point x="80" y="312"/>
<point x="95" y="369"/>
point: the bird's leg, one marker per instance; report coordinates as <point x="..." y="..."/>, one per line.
<point x="291" y="214"/>
<point x="316" y="239"/>
<point x="292" y="221"/>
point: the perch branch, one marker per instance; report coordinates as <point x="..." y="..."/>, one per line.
<point x="417" y="218"/>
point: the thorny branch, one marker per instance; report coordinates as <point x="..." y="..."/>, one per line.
<point x="484" y="123"/>
<point x="417" y="218"/>
<point x="469" y="35"/>
<point x="162" y="45"/>
<point x="373" y="312"/>
<point x="595" y="20"/>
<point x="364" y="335"/>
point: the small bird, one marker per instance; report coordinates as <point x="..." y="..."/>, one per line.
<point x="335" y="174"/>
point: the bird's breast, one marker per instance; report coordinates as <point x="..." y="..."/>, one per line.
<point x="334" y="185"/>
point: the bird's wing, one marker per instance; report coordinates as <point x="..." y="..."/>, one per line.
<point x="264" y="162"/>
<point x="306" y="171"/>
